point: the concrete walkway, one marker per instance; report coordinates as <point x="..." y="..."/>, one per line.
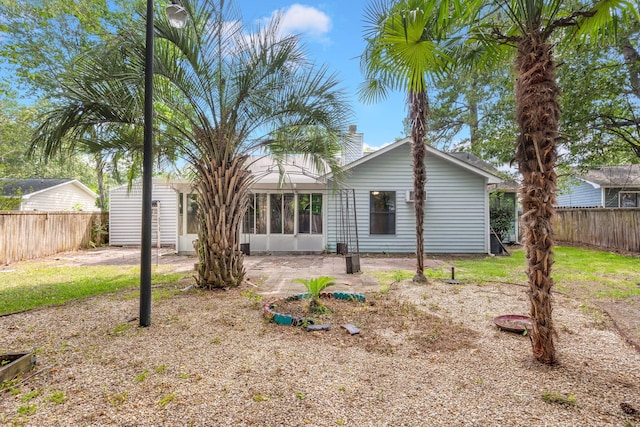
<point x="273" y="275"/>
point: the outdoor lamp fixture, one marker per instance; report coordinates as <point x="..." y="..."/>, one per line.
<point x="176" y="14"/>
<point x="177" y="18"/>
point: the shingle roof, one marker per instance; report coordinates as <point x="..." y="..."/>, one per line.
<point x="618" y="176"/>
<point x="10" y="187"/>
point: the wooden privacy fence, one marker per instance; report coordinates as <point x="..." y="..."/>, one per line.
<point x="616" y="228"/>
<point x="28" y="235"/>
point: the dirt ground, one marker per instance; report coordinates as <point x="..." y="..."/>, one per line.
<point x="276" y="273"/>
<point x="425" y="355"/>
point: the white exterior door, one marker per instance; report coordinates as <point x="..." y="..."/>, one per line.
<point x="187" y="222"/>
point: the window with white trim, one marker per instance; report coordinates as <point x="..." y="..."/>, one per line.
<point x="382" y="212"/>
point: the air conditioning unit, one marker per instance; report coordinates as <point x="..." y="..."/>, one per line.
<point x="408" y="196"/>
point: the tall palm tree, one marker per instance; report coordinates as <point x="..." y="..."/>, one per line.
<point x="404" y="47"/>
<point x="223" y="94"/>
<point x="534" y="28"/>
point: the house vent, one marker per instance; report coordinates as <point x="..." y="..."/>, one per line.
<point x="408" y="196"/>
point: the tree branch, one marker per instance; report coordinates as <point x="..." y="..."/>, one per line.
<point x="567" y="21"/>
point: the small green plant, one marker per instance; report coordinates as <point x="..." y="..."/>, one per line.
<point x="117" y="399"/>
<point x="559" y="398"/>
<point x="142" y="376"/>
<point x="166" y="400"/>
<point x="161" y="368"/>
<point x="9" y="384"/>
<point x="314" y="287"/>
<point x="27" y="409"/>
<point x="28" y="396"/>
<point x="259" y="397"/>
<point x="300" y="395"/>
<point x="253" y="297"/>
<point x="121" y="329"/>
<point x="183" y="375"/>
<point x="57" y="397"/>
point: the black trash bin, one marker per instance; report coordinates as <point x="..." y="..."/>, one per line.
<point x="495" y="245"/>
<point x="245" y="249"/>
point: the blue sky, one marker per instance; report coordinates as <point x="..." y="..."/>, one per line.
<point x="333" y="35"/>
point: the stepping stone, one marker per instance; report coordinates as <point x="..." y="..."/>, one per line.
<point x="351" y="328"/>
<point x="323" y="327"/>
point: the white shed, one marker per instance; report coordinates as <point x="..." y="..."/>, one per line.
<point x="41" y="194"/>
<point x="125" y="214"/>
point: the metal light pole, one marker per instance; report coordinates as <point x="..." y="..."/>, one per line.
<point x="177" y="18"/>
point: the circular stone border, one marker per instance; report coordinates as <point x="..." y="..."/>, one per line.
<point x="288" y="320"/>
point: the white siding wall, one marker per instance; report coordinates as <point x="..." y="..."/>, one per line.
<point x="125" y="214"/>
<point x="67" y="197"/>
<point x="456" y="211"/>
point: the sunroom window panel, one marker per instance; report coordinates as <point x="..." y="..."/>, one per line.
<point x="276" y="213"/>
<point x="304" y="213"/>
<point x="261" y="213"/>
<point x="249" y="222"/>
<point x="289" y="213"/>
<point x="316" y="213"/>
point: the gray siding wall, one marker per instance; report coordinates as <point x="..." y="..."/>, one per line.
<point x="456" y="210"/>
<point x="580" y="196"/>
<point x="125" y="215"/>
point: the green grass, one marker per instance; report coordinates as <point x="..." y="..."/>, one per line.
<point x="39" y="285"/>
<point x="580" y="272"/>
<point x="388" y="278"/>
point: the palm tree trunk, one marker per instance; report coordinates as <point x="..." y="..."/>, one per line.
<point x="538" y="113"/>
<point x="222" y="190"/>
<point x="419" y="106"/>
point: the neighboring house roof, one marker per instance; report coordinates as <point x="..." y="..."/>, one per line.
<point x="27" y="187"/>
<point x="613" y="176"/>
<point x="491" y="177"/>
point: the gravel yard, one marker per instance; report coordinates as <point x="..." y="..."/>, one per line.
<point x="432" y="358"/>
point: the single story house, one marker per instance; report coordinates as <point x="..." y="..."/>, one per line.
<point x="40" y="194"/>
<point x="381" y="197"/>
<point x="508" y="189"/>
<point x="304" y="211"/>
<point x="603" y="187"/>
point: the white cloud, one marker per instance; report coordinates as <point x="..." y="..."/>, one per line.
<point x="301" y="19"/>
<point x="305" y="19"/>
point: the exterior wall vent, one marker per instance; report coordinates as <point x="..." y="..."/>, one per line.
<point x="408" y="196"/>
